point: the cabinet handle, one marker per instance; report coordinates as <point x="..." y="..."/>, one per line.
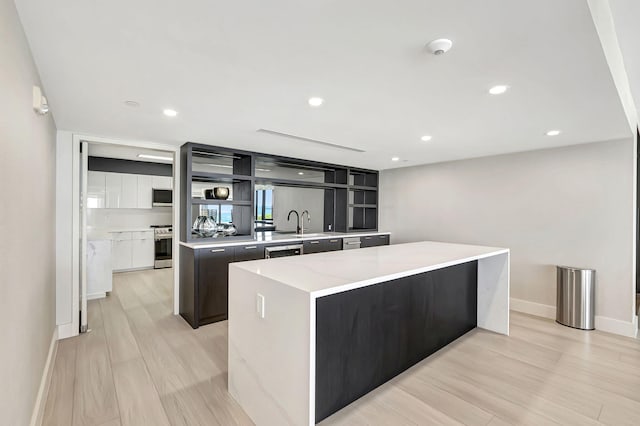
<point x="383" y="236"/>
<point x="217" y="250"/>
<point x="314" y="242"/>
<point x="333" y="241"/>
<point x="250" y="247"/>
<point x="367" y="238"/>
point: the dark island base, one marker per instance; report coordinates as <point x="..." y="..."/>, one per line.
<point x="366" y="336"/>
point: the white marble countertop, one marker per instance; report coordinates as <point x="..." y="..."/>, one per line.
<point x="270" y="237"/>
<point x="327" y="273"/>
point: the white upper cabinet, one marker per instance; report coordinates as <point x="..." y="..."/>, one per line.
<point x="113" y="190"/>
<point x="162" y="182"/>
<point x="129" y="191"/>
<point x="123" y="190"/>
<point x="145" y="186"/>
<point x="96" y="190"/>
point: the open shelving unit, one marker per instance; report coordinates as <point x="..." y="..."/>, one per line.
<point x="350" y="194"/>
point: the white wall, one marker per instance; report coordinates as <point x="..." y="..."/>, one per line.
<point x="571" y="205"/>
<point x="27" y="182"/>
<point x="108" y="219"/>
<point x="300" y="199"/>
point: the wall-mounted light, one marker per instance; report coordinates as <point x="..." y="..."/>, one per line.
<point x="40" y="104"/>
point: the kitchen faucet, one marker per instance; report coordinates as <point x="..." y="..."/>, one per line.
<point x="298" y="228"/>
<point x="302" y="220"/>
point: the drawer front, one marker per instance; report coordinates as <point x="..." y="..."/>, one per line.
<point x="314" y="246"/>
<point x="250" y="252"/>
<point x="142" y="235"/>
<point x="383" y="240"/>
<point x="333" y="244"/>
<point x="374" y="240"/>
<point x="121" y="236"/>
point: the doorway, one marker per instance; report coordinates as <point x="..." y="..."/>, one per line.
<point x="125" y="224"/>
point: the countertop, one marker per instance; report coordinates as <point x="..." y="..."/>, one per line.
<point x="270" y="237"/>
<point x="95" y="234"/>
<point x="333" y="272"/>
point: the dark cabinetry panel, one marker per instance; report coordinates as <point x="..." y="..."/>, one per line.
<point x="213" y="274"/>
<point x="333" y="244"/>
<point x="254" y="252"/>
<point x="314" y="246"/>
<point x="374" y="241"/>
<point x="322" y="245"/>
<point x="364" y="337"/>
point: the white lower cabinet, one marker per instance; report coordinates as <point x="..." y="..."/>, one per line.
<point x="132" y="250"/>
<point x="142" y="255"/>
<point x="121" y="254"/>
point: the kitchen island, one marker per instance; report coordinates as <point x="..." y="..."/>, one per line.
<point x="310" y="334"/>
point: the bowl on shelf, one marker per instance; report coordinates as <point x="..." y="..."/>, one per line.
<point x="217" y="193"/>
<point x="221" y="193"/>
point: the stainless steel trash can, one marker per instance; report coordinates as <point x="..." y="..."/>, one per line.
<point x="576" y="297"/>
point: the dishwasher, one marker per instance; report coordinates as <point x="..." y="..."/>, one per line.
<point x="282" y="251"/>
<point x="350" y="243"/>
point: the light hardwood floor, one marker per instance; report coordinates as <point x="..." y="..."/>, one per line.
<point x="140" y="365"/>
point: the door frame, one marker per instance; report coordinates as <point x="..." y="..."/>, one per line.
<point x="76" y="242"/>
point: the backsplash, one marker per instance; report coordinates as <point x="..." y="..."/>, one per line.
<point x="128" y="218"/>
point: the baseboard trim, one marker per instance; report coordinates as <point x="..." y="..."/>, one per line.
<point x="609" y="325"/>
<point x="41" y="398"/>
<point x="616" y="326"/>
<point x="532" y="308"/>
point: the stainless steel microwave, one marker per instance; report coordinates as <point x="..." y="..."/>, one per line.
<point x="162" y="198"/>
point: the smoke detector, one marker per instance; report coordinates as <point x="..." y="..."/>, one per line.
<point x="439" y="46"/>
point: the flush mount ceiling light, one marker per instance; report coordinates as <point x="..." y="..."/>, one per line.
<point x="553" y="132"/>
<point x="499" y="89"/>
<point x="132" y="104"/>
<point x="170" y="112"/>
<point x="155" y="157"/>
<point x="300" y="173"/>
<point x="315" y="101"/>
<point x="439" y="46"/>
<point x="426" y="138"/>
<point x="395" y="158"/>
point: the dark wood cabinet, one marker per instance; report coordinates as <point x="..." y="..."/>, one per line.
<point x="374" y="241"/>
<point x="333" y="244"/>
<point x="322" y="245"/>
<point x="252" y="252"/>
<point x="368" y="335"/>
<point x="204" y="274"/>
<point x="213" y="275"/>
<point x="313" y="246"/>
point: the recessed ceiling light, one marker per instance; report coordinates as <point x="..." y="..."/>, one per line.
<point x="553" y="132"/>
<point x="300" y="173"/>
<point x="316" y="102"/>
<point x="170" y="112"/>
<point x="499" y="89"/>
<point x="155" y="157"/>
<point x="395" y="158"/>
<point x="426" y="138"/>
<point x="132" y="104"/>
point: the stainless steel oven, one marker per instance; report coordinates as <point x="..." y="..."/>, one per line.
<point x="163" y="236"/>
<point x="282" y="251"/>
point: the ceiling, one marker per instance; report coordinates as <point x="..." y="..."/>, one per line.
<point x="231" y="68"/>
